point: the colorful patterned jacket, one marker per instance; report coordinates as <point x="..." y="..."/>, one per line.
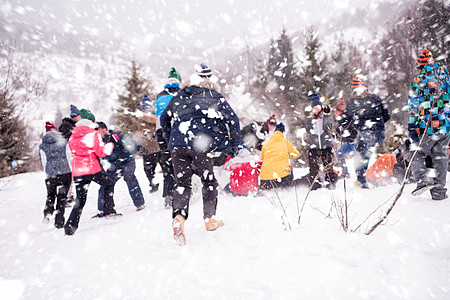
<point x="429" y="93"/>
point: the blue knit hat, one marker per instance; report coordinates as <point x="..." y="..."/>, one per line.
<point x="146" y="104"/>
<point x="315" y="99"/>
<point x="74" y="111"/>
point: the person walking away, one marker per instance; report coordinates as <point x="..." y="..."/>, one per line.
<point x="87" y="147"/>
<point x="56" y="159"/>
<point x="368" y="113"/>
<point x="203" y="122"/>
<point x="171" y="88"/>
<point x="275" y="169"/>
<point x="146" y="135"/>
<point x="429" y="98"/>
<point x="121" y="163"/>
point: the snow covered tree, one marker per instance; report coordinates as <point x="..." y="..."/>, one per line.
<point x="345" y="63"/>
<point x="19" y="87"/>
<point x="277" y="77"/>
<point x="130" y="101"/>
<point x="314" y="74"/>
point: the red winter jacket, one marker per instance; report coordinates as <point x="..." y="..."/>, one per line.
<point x="87" y="146"/>
<point x="244" y="172"/>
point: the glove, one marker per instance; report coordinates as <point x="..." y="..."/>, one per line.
<point x="280" y="127"/>
<point x="114" y="138"/>
<point x="234" y="151"/>
<point x="414" y="137"/>
<point x="141" y="149"/>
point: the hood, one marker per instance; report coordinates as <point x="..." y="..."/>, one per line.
<point x="52" y="137"/>
<point x="277" y="136"/>
<point x="83" y="127"/>
<point x="199" y="82"/>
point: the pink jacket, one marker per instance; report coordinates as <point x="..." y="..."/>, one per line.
<point x="87" y="146"/>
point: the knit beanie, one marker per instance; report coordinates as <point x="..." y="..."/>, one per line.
<point x="172" y="83"/>
<point x="425" y="58"/>
<point x="174" y="74"/>
<point x="358" y="83"/>
<point x="86" y="114"/>
<point x="280" y="127"/>
<point x="74" y="111"/>
<point x="340" y="106"/>
<point x="203" y="70"/>
<point x="315" y="99"/>
<point x="146" y="104"/>
<point x="101" y="124"/>
<point x="272" y="120"/>
<point x="49" y="126"/>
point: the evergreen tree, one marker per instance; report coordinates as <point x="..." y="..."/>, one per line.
<point x="130" y="101"/>
<point x="314" y="75"/>
<point x="18" y="89"/>
<point x="346" y="61"/>
<point x="276" y="77"/>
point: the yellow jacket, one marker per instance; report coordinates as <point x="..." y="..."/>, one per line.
<point x="275" y="155"/>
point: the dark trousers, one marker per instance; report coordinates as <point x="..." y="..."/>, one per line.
<point x="318" y="158"/>
<point x="166" y="165"/>
<point x="127" y="172"/>
<point x="183" y="161"/>
<point x="57" y="188"/>
<point x="285" y="182"/>
<point x="81" y="186"/>
<point x="150" y="162"/>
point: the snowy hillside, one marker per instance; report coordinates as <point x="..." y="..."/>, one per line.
<point x="251" y="257"/>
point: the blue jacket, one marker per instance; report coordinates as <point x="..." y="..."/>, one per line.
<point x="55" y="155"/>
<point x="366" y="112"/>
<point x="202" y="120"/>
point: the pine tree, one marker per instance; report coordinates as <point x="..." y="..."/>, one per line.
<point x="345" y="62"/>
<point x="19" y="87"/>
<point x="276" y="77"/>
<point x="314" y="75"/>
<point x="130" y="101"/>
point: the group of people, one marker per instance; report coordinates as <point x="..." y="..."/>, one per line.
<point x="196" y="129"/>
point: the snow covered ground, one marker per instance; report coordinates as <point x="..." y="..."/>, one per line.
<point x="251" y="257"/>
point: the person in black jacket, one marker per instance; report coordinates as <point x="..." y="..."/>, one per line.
<point x="255" y="133"/>
<point x="368" y="113"/>
<point x="66" y="128"/>
<point x="196" y="122"/>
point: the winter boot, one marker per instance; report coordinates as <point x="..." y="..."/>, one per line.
<point x="140" y="207"/>
<point x="422" y="189"/>
<point x="364" y="186"/>
<point x="154" y="187"/>
<point x="113" y="215"/>
<point x="46" y="219"/>
<point x="178" y="230"/>
<point x="212" y="224"/>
